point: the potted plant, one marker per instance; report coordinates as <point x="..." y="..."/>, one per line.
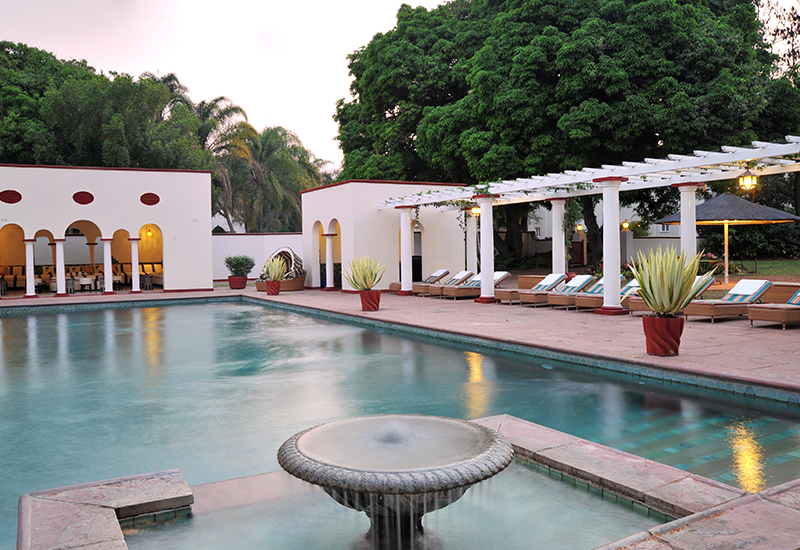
<point x="667" y="285"/>
<point x="271" y="276"/>
<point x="365" y="273"/>
<point x="239" y="267"/>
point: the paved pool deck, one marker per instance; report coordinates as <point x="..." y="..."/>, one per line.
<point x="728" y="351"/>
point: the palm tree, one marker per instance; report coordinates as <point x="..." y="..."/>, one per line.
<point x="265" y="174"/>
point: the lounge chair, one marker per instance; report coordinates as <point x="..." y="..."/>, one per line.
<point x="635" y="303"/>
<point x="421" y="288"/>
<point x="472" y="288"/>
<point x="461" y="277"/>
<point x="537" y="297"/>
<point x="596" y="300"/>
<point x="547" y="284"/>
<point x="776" y="313"/>
<point x="733" y="304"/>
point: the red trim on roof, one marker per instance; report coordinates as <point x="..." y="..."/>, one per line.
<point x="105" y="168"/>
<point x="556" y="199"/>
<point x="483" y="196"/>
<point x="391" y="182"/>
<point x="609" y="178"/>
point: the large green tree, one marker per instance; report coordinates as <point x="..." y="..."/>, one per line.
<point x="537" y="86"/>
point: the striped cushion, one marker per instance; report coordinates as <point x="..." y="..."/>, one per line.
<point x="746" y="291"/>
<point x="576" y="284"/>
<point x="550" y="282"/>
<point x="474" y="282"/>
<point x="795" y="300"/>
<point x="597" y="288"/>
<point x="3" y="270"/>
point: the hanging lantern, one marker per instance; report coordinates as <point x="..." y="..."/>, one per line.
<point x="747" y="181"/>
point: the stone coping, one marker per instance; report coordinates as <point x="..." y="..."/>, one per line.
<point x="712" y="514"/>
<point x="88" y="515"/>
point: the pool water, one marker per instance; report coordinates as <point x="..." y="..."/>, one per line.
<point x="520" y="508"/>
<point x="215" y="389"/>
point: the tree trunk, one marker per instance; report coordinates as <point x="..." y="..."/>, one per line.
<point x="594" y="236"/>
<point x="514" y="229"/>
<point x="797" y="194"/>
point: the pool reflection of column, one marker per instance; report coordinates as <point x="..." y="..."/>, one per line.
<point x="62" y="339"/>
<point x="408" y="358"/>
<point x="613" y="410"/>
<point x="33" y="344"/>
<point x="136" y="329"/>
<point x="109" y="351"/>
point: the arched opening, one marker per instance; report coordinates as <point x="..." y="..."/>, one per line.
<point x="151" y="255"/>
<point x="83" y="259"/>
<point x="121" y="258"/>
<point x="44" y="259"/>
<point x="12" y="258"/>
<point x="317" y="252"/>
<point x="334" y="233"/>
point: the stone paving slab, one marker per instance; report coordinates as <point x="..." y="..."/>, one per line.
<point x="87" y="516"/>
<point x="664" y="488"/>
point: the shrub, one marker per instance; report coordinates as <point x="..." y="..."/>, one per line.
<point x="239" y="266"/>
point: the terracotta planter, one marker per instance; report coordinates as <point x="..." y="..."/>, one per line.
<point x="237" y="283"/>
<point x="261" y="286"/>
<point x="370" y="300"/>
<point x="273" y="287"/>
<point x="662" y="334"/>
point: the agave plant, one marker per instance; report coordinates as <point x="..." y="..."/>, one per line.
<point x="667" y="283"/>
<point x="365" y="272"/>
<point x="274" y="269"/>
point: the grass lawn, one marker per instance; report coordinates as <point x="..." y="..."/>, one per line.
<point x="771" y="268"/>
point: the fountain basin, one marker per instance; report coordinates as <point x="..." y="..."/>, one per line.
<point x="396" y="468"/>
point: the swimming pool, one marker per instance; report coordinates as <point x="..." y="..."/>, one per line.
<point x="214" y="389"/>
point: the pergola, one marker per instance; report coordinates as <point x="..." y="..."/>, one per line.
<point x="686" y="172"/>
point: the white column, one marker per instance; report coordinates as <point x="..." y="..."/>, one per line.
<point x="108" y="270"/>
<point x="611" y="249"/>
<point x="30" y="272"/>
<point x="406" y="251"/>
<point x="487" y="250"/>
<point x="472" y="241"/>
<point x="559" y="238"/>
<point x="329" y="261"/>
<point x="688" y="221"/>
<point x="135" y="265"/>
<point x="61" y="272"/>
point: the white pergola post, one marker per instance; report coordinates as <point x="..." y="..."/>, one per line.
<point x="611" y="248"/>
<point x="559" y="238"/>
<point x="406" y="251"/>
<point x="472" y="240"/>
<point x="688" y="220"/>
<point x="487" y="250"/>
<point x="135" y="265"/>
<point x="329" y="261"/>
<point x="108" y="270"/>
<point x="30" y="272"/>
<point x="61" y="272"/>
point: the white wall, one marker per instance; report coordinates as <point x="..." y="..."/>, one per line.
<point x="258" y="246"/>
<point x="182" y="214"/>
<point x="366" y="230"/>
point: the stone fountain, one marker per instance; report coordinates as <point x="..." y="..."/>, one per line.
<point x="395" y="469"/>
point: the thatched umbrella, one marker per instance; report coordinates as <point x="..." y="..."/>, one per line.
<point x="728" y="210"/>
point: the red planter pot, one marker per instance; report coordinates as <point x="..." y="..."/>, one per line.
<point x="237" y="283"/>
<point x="370" y="300"/>
<point x="273" y="287"/>
<point x="662" y="334"/>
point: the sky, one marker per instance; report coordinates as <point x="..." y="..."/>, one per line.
<point x="284" y="62"/>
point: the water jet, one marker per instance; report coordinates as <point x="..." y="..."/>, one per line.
<point x="395" y="469"/>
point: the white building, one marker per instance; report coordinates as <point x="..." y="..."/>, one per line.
<point x="102" y="219"/>
<point x="342" y="221"/>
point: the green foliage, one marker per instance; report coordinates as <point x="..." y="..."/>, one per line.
<point x="274" y="269"/>
<point x="365" y="272"/>
<point x="667" y="283"/>
<point x="239" y="266"/>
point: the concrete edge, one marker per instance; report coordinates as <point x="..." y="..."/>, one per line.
<point x="104" y="503"/>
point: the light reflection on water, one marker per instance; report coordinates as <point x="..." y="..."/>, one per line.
<point x="214" y="390"/>
<point x="748" y="458"/>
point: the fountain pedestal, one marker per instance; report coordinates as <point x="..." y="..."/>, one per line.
<point x="396" y="468"/>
